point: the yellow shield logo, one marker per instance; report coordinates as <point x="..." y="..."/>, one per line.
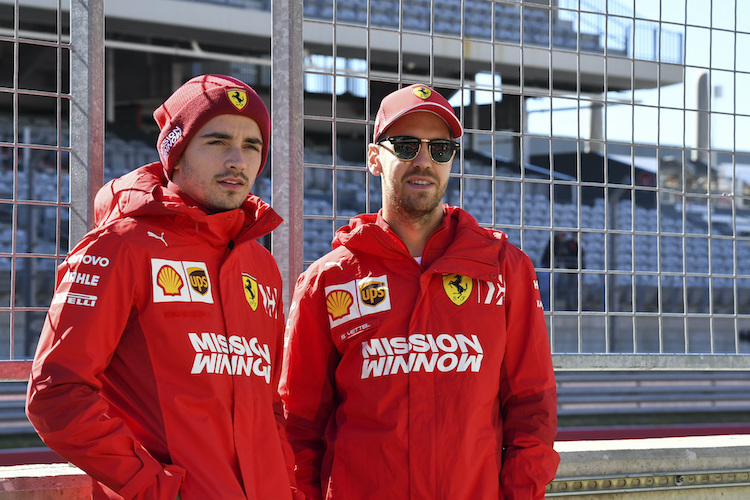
<point x="251" y="290"/>
<point x="238" y="98"/>
<point x="457" y="287"/>
<point x="422" y="92"/>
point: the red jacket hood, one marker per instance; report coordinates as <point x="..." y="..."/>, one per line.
<point x="147" y="191"/>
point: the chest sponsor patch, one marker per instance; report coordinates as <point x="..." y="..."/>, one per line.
<point x="233" y="355"/>
<point x="419" y="352"/>
<point x="250" y="285"/>
<point x="81" y="278"/>
<point x="348" y="301"/>
<point x="75" y="299"/>
<point x="258" y="293"/>
<point x="180" y="281"/>
<point x="491" y="292"/>
<point x="457" y="287"/>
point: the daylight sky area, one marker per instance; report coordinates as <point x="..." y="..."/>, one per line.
<point x="716" y="36"/>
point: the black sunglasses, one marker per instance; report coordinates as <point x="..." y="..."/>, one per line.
<point x="407" y="148"/>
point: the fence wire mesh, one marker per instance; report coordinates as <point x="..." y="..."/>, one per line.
<point x="604" y="137"/>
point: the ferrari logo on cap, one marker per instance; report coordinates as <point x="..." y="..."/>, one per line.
<point x="238" y="98"/>
<point x="422" y="92"/>
<point x="457" y="287"/>
<point x="251" y="290"/>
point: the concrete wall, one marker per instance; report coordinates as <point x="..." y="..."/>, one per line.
<point x="707" y="467"/>
<point x="44" y="482"/>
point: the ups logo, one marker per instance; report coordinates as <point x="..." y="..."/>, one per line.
<point x="198" y="279"/>
<point x="372" y="293"/>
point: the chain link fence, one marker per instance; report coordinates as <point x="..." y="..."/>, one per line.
<point x="604" y="137"/>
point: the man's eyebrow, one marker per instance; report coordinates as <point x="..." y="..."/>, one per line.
<point x="253" y="140"/>
<point x="224" y="135"/>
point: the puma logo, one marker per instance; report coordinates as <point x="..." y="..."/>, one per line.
<point x="158" y="237"/>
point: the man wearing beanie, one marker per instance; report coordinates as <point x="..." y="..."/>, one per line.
<point x="157" y="367"/>
<point x="417" y="363"/>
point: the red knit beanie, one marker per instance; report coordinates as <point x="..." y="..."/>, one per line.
<point x="195" y="103"/>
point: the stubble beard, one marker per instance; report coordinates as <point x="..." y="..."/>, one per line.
<point x="212" y="198"/>
<point x="224" y="202"/>
<point x="416" y="207"/>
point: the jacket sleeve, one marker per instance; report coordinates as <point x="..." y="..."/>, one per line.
<point x="307" y="383"/>
<point x="527" y="389"/>
<point x="90" y="310"/>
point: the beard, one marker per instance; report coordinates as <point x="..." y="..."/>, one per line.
<point x="414" y="205"/>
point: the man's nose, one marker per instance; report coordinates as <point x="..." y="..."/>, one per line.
<point x="235" y="160"/>
<point x="423" y="158"/>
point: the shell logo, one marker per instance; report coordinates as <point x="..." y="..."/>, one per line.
<point x="338" y="303"/>
<point x="169" y="280"/>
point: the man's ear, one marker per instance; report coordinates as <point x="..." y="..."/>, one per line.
<point x="177" y="166"/>
<point x="373" y="160"/>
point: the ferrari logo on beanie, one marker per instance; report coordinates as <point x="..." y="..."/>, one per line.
<point x="238" y="98"/>
<point x="422" y="92"/>
<point x="195" y="103"/>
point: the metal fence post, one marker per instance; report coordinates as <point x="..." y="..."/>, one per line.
<point x="287" y="145"/>
<point x="86" y="112"/>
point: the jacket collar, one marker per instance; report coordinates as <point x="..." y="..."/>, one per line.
<point x="147" y="192"/>
<point x="459" y="241"/>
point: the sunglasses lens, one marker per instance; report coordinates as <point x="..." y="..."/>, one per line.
<point x="441" y="151"/>
<point x="406" y="149"/>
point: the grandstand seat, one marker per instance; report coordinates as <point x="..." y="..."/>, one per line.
<point x="723" y="295"/>
<point x="647" y="292"/>
<point x="592" y="292"/>
<point x="672" y="294"/>
<point x="310" y="9"/>
<point x="743" y="296"/>
<point x="697" y="293"/>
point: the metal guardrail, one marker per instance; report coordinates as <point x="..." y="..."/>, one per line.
<point x="585" y="393"/>
<point x="12" y="409"/>
<point x="596" y="485"/>
<point x="579" y="394"/>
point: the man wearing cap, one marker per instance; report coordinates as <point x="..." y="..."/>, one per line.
<point x="417" y="363"/>
<point x="157" y="367"/>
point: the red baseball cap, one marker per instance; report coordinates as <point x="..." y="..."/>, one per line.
<point x="417" y="97"/>
<point x="197" y="101"/>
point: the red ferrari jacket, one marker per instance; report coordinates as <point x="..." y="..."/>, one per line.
<point x="158" y="363"/>
<point x="409" y="381"/>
